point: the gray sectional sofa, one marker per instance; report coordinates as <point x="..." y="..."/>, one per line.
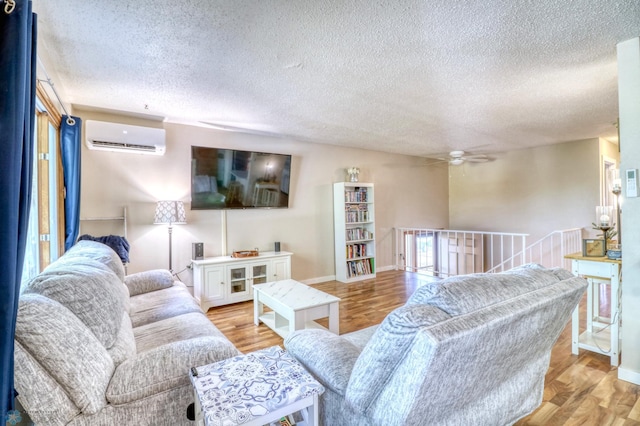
<point x="468" y="350"/>
<point x="96" y="347"/>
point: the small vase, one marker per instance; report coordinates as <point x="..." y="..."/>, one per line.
<point x="353" y="177"/>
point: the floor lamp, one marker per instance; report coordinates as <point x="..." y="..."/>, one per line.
<point x="170" y="213"/>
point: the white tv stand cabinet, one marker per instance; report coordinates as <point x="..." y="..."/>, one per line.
<point x="224" y="279"/>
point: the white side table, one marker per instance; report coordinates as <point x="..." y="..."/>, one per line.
<point x="255" y="389"/>
<point x="602" y="334"/>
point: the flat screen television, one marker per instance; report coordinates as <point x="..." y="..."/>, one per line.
<point x="235" y="179"/>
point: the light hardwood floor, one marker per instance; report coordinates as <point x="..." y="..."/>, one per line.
<point x="579" y="389"/>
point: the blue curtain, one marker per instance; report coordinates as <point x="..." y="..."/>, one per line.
<point x="70" y="146"/>
<point x="17" y="109"/>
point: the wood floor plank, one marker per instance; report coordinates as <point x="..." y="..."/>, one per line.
<point x="634" y="414"/>
<point x="579" y="389"/>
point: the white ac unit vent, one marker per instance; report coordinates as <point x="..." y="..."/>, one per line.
<point x="106" y="136"/>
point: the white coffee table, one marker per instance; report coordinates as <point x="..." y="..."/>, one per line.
<point x="294" y="306"/>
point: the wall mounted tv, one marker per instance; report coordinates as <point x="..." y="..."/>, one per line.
<point x="234" y="179"/>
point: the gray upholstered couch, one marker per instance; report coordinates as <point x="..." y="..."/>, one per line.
<point x="94" y="347"/>
<point x="468" y="350"/>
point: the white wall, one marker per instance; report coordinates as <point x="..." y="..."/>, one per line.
<point x="407" y="193"/>
<point x="629" y="104"/>
<point x="533" y="191"/>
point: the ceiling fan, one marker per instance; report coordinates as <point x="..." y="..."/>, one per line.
<point x="456" y="158"/>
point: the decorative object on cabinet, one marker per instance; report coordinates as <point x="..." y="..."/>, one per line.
<point x="604" y="222"/>
<point x="353" y="173"/>
<point x="170" y="213"/>
<point x="614" y="252"/>
<point x="245" y="253"/>
<point x="354" y="224"/>
<point x="593" y="248"/>
<point x="223" y="280"/>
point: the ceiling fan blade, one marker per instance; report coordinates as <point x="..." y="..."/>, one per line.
<point x="477" y="159"/>
<point x="437" y="161"/>
<point x="459" y="157"/>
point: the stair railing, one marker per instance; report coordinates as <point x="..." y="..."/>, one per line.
<point x="549" y="251"/>
<point x="443" y="252"/>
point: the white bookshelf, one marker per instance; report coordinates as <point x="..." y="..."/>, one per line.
<point x="354" y="228"/>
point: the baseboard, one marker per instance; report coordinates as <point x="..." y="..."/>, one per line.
<point x="385" y="268"/>
<point x="318" y="280"/>
<point x="629" y="375"/>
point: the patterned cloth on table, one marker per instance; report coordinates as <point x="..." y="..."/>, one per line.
<point x="239" y="389"/>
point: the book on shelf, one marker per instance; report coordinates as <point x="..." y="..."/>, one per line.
<point x="355" y="195"/>
<point x="361" y="267"/>
<point x="354" y="234"/>
<point x="356" y="250"/>
<point x="357" y="213"/>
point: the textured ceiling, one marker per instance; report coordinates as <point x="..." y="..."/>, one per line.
<point x="412" y="77"/>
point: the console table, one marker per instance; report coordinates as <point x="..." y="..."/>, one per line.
<point x="602" y="334"/>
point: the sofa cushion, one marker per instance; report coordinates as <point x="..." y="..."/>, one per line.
<point x="386" y="349"/>
<point x="66" y="349"/>
<point x="174" y="329"/>
<point x="158" y="305"/>
<point x="328" y="357"/>
<point x="102" y="254"/>
<point x="165" y="367"/>
<point x="360" y="338"/>
<point x="144" y="282"/>
<point x="467" y="293"/>
<point x="37" y="389"/>
<point x="99" y="252"/>
<point x="89" y="290"/>
<point x="125" y="345"/>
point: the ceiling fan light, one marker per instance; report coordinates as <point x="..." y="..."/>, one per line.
<point x="456" y="161"/>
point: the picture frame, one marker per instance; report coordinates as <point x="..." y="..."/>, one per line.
<point x="594" y="248"/>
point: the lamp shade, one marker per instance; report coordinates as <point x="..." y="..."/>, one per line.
<point x="170" y="212"/>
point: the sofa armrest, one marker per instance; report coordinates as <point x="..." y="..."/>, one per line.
<point x="144" y="282"/>
<point x="328" y="357"/>
<point x="165" y="367"/>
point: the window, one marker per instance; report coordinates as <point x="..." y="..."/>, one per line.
<point x="45" y="241"/>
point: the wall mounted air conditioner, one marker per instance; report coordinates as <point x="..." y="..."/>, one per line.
<point x="106" y="136"/>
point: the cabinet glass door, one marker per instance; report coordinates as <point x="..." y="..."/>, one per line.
<point x="238" y="280"/>
<point x="259" y="274"/>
